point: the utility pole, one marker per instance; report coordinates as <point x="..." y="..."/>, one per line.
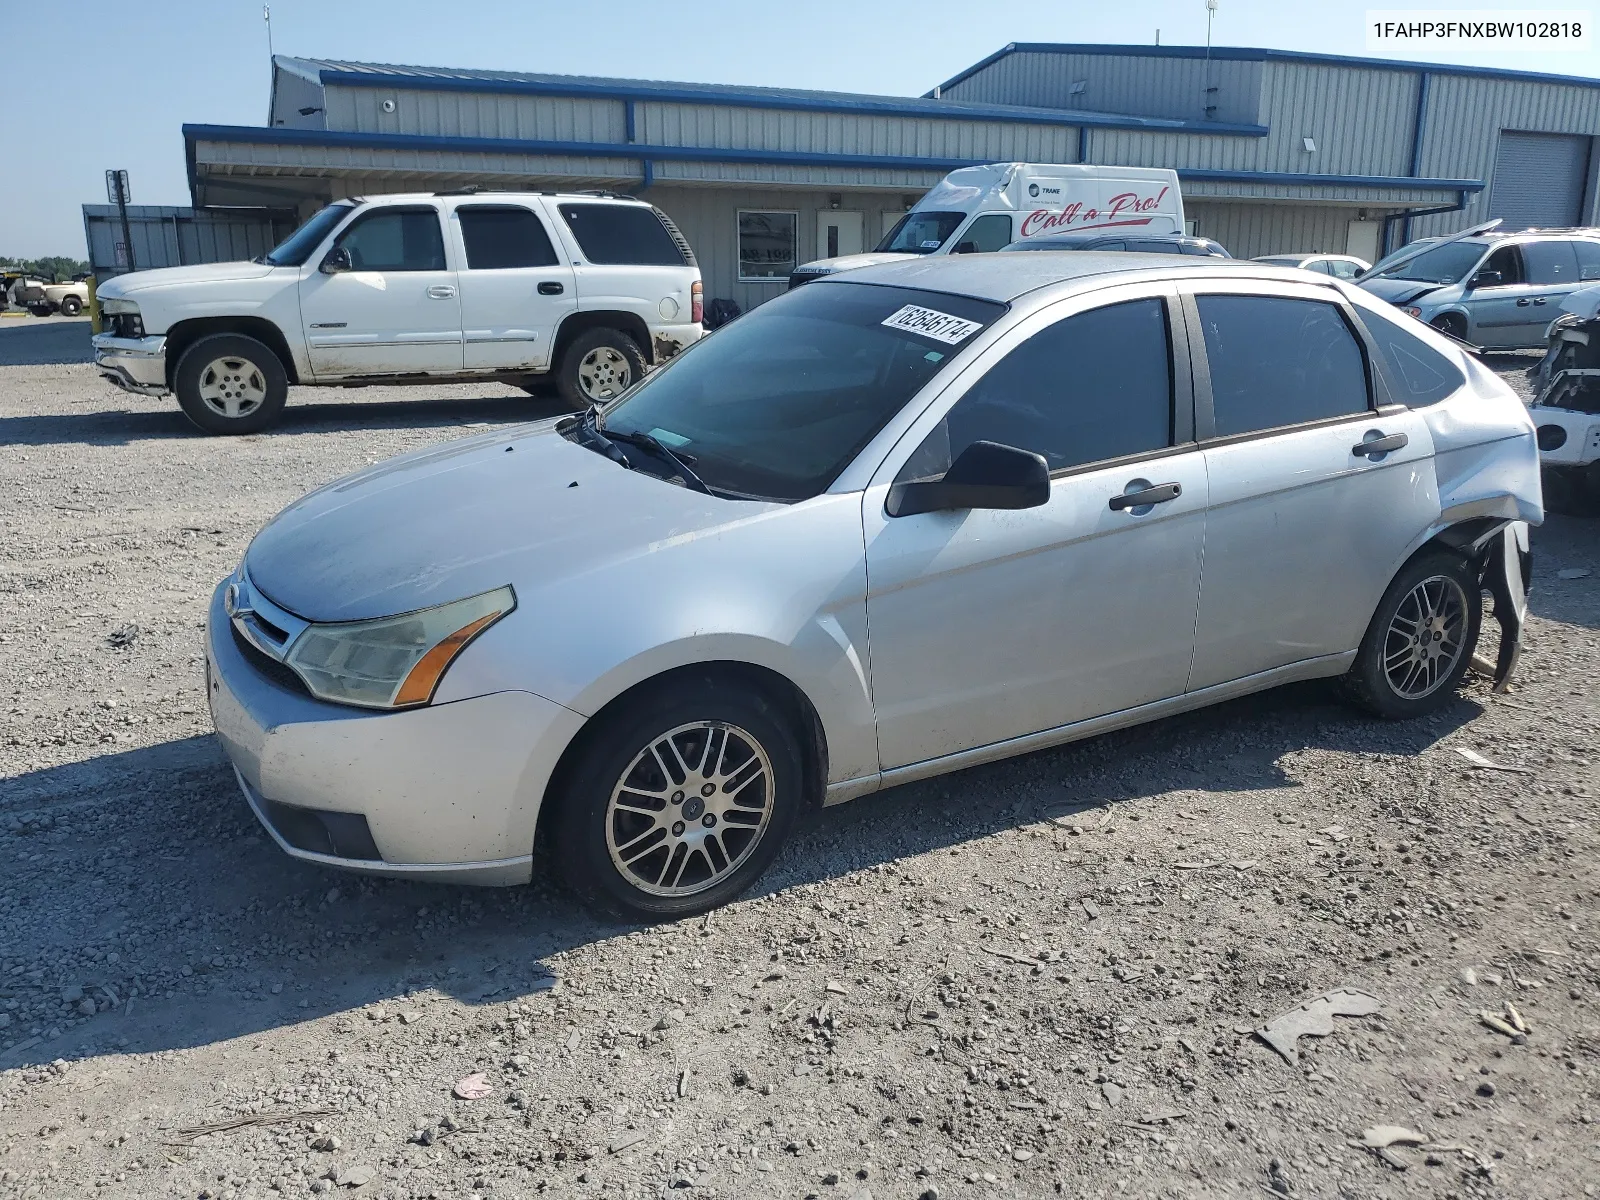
<point x="117" y="193"/>
<point x="1211" y="89"/>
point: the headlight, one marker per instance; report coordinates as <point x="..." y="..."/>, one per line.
<point x="392" y="662"/>
<point x="1415" y="312"/>
<point x="113" y="307"/>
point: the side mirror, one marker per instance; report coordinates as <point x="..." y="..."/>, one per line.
<point x="1487" y="279"/>
<point x="984" y="475"/>
<point x="338" y="260"/>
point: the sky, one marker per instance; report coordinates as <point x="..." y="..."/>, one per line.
<point x="111" y="83"/>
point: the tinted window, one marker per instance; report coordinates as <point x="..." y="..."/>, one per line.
<point x="768" y="244"/>
<point x="986" y="234"/>
<point x="1550" y="262"/>
<point x="1201" y="248"/>
<point x="1279" y="362"/>
<point x="1321" y="266"/>
<point x="1114" y="245"/>
<point x="628" y="234"/>
<point x="1091" y="387"/>
<point x="1508" y="262"/>
<point x="395" y="239"/>
<point x="1418" y="374"/>
<point x="1154" y="247"/>
<point x="1588" y="259"/>
<point x="781" y="400"/>
<point x="500" y="238"/>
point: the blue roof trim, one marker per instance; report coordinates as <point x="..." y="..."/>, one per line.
<point x="1252" y="54"/>
<point x="775" y="99"/>
<point x="403" y="141"/>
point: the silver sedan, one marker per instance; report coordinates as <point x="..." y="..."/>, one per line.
<point x="887" y="526"/>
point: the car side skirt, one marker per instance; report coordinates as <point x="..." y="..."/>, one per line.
<point x="1322" y="667"/>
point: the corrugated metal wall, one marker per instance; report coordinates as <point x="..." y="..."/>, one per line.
<point x="476" y="114"/>
<point x="1251" y="230"/>
<point x="290" y="93"/>
<point x="726" y="127"/>
<point x="176" y="237"/>
<point x="1465" y="116"/>
<point x="1143" y="87"/>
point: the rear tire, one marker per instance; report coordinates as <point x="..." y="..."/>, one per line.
<point x="1421" y="639"/>
<point x="598" y="366"/>
<point x="71" y="306"/>
<point x="228" y="383"/>
<point x="635" y="832"/>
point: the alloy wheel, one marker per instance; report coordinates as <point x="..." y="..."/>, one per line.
<point x="232" y="387"/>
<point x="604" y="374"/>
<point x="689" y="809"/>
<point x="1426" y="637"/>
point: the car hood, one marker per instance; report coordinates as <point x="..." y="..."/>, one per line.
<point x="457" y="520"/>
<point x="1399" y="291"/>
<point x="138" y="281"/>
<point x="849" y="262"/>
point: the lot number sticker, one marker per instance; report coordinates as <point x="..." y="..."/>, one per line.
<point x="929" y="323"/>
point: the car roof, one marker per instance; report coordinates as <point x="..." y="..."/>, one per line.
<point x="1005" y="277"/>
<point x="489" y="194"/>
<point x="1074" y="239"/>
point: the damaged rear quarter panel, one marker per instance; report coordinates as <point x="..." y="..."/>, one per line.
<point x="1485" y="454"/>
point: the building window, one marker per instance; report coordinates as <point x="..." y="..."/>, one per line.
<point x="768" y="245"/>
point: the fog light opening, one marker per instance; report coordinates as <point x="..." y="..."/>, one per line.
<point x="1551" y="437"/>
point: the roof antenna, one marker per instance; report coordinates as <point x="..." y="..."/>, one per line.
<point x="1210" y="93"/>
<point x="266" y="15"/>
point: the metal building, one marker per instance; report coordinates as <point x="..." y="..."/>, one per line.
<point x="1276" y="151"/>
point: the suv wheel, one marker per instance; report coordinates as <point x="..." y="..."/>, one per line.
<point x="599" y="366"/>
<point x="229" y="383"/>
<point x="680" y="799"/>
<point x="1421" y="639"/>
<point x="71" y="306"/>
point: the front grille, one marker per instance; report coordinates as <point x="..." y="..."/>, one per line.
<point x="274" y="670"/>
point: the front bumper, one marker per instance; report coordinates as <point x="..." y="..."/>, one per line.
<point x="449" y="792"/>
<point x="1579" y="436"/>
<point x="133" y="364"/>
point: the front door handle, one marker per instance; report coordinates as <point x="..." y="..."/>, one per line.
<point x="441" y="291"/>
<point x="1524" y="302"/>
<point x="550" y="288"/>
<point x="1381" y="444"/>
<point x="1156" y="493"/>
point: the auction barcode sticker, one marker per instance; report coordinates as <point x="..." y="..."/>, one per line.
<point x="930" y="323"/>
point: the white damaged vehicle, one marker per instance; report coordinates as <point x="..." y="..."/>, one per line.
<point x="1566" y="406"/>
<point x="923" y="516"/>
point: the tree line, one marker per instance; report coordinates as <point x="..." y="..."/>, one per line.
<point x="53" y="267"/>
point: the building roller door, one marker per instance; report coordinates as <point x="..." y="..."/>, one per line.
<point x="1539" y="180"/>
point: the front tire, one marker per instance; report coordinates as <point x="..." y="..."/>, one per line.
<point x="598" y="366"/>
<point x="680" y="799"/>
<point x="1453" y="324"/>
<point x="71" y="306"/>
<point x="1421" y="638"/>
<point x="228" y="383"/>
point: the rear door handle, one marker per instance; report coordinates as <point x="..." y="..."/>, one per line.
<point x="441" y="291"/>
<point x="1539" y="300"/>
<point x="1381" y="444"/>
<point x="551" y="289"/>
<point x="1157" y="493"/>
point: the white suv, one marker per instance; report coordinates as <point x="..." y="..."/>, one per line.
<point x="587" y="290"/>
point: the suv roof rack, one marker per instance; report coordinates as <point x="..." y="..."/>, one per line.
<point x="603" y="194"/>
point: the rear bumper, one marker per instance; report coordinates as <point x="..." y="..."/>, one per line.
<point x="448" y="793"/>
<point x="133" y="364"/>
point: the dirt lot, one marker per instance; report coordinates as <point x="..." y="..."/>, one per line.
<point x="1030" y="979"/>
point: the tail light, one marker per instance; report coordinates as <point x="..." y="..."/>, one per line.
<point x="697" y="302"/>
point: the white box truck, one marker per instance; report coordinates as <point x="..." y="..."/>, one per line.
<point x="983" y="208"/>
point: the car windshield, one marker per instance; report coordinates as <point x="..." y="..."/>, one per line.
<point x="777" y="403"/>
<point x="921" y="232"/>
<point x="297" y="247"/>
<point x="1445" y="264"/>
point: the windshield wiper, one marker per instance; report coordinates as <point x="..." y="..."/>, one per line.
<point x="650" y="442"/>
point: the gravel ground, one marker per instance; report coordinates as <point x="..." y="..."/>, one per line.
<point x="1029" y="979"/>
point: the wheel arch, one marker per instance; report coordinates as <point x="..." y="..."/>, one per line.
<point x="772" y="684"/>
<point x="184" y="334"/>
<point x="584" y="320"/>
